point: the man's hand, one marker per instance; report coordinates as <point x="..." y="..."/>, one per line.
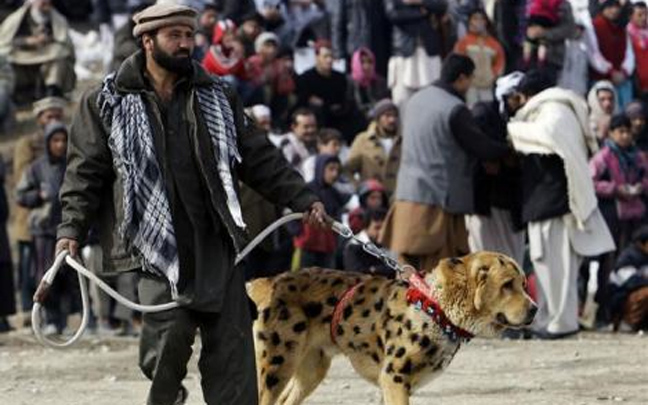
<point x="71" y="245"/>
<point x="316" y="215"/>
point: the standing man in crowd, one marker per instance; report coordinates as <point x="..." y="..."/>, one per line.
<point x="559" y="204"/>
<point x="435" y="186"/>
<point x="156" y="152"/>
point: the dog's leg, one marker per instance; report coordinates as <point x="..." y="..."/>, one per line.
<point x="309" y="374"/>
<point x="395" y="389"/>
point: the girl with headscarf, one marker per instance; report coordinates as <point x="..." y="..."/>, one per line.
<point x="368" y="87"/>
<point x="602" y="101"/>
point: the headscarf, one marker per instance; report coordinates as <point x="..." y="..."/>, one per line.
<point x="596" y="113"/>
<point x="505" y="86"/>
<point x="357" y="73"/>
<point x="639" y="35"/>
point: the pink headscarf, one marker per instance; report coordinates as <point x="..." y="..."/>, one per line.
<point x="638" y="35"/>
<point x="357" y="73"/>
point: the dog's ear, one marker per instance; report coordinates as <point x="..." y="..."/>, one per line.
<point x="480" y="275"/>
<point x="452" y="273"/>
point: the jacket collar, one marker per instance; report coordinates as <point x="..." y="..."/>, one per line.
<point x="447" y="87"/>
<point x="373" y="135"/>
<point x="131" y="76"/>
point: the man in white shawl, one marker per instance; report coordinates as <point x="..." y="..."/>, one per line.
<point x="559" y="205"/>
<point x="36" y="40"/>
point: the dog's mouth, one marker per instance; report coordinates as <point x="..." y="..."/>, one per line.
<point x="502" y="321"/>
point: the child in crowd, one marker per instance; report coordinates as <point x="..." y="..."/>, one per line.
<point x="638" y="32"/>
<point x="317" y="247"/>
<point x="628" y="285"/>
<point x="602" y="103"/>
<point x="38" y="190"/>
<point x="620" y="176"/>
<point x="225" y="56"/>
<point x="373" y="196"/>
<point x="329" y="142"/>
<point x="486" y="52"/>
<point x="542" y="14"/>
<point x="356" y="258"/>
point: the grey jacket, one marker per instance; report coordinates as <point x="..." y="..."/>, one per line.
<point x="92" y="189"/>
<point x="442" y="146"/>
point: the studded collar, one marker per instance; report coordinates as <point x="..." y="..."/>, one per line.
<point x="419" y="294"/>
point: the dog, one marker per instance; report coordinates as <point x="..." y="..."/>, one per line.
<point x="393" y="336"/>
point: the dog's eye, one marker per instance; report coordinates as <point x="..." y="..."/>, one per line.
<point x="508" y="285"/>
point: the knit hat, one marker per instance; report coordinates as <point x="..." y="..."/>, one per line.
<point x="263" y="38"/>
<point x="382" y="107"/>
<point x="163" y="15"/>
<point x="47" y="103"/>
<point x="608" y="3"/>
<point x="53" y="128"/>
<point x="635" y="110"/>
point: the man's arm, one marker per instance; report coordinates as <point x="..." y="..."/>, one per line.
<point x="472" y="139"/>
<point x="89" y="169"/>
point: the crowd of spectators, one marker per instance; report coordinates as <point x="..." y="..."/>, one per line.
<point x="342" y="88"/>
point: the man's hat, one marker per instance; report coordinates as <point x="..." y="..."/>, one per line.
<point x="163" y="15"/>
<point x="46" y="103"/>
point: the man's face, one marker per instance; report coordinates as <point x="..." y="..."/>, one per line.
<point x="612" y="13"/>
<point x="324" y="60"/>
<point x="58" y="145"/>
<point x="305" y="128"/>
<point x="638" y="125"/>
<point x="373" y="230"/>
<point x="639" y="15"/>
<point x="208" y="20"/>
<point x="331" y="147"/>
<point x="171" y="48"/>
<point x="44" y="6"/>
<point x="388" y="122"/>
<point x="463" y="83"/>
<point x="606" y="101"/>
<point x="251" y="28"/>
<point x="514" y="102"/>
<point x="48" y="116"/>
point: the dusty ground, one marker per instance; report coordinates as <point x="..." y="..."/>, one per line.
<point x="590" y="369"/>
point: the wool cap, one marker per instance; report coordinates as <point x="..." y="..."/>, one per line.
<point x="382" y="107"/>
<point x="263" y="38"/>
<point x="46" y="103"/>
<point x="163" y="15"/>
<point x="635" y="110"/>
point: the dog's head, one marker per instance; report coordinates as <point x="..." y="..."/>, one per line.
<point x="485" y="293"/>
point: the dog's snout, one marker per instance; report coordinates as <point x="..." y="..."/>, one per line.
<point x="531" y="313"/>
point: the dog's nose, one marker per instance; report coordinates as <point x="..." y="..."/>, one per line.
<point x="531" y="314"/>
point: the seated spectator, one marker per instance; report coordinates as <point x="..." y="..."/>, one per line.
<point x="36" y="39"/>
<point x="616" y="48"/>
<point x="7" y="289"/>
<point x="317" y="246"/>
<point x="300" y="142"/>
<point x="628" y="285"/>
<point x="356" y="258"/>
<point x="327" y="93"/>
<point x="375" y="153"/>
<point x="638" y="31"/>
<point x="602" y="103"/>
<point x="620" y="176"/>
<point x="7" y="82"/>
<point x="225" y="56"/>
<point x="486" y="52"/>
<point x="207" y="20"/>
<point x="368" y="86"/>
<point x="372" y="196"/>
<point x="251" y="28"/>
<point x="636" y="112"/>
<point x="329" y="142"/>
<point x="269" y="74"/>
<point x="38" y="190"/>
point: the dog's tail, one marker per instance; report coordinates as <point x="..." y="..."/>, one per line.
<point x="260" y="290"/>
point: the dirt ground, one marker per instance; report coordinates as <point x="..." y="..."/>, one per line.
<point x="589" y="369"/>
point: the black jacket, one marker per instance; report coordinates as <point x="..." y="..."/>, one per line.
<point x="544" y="188"/>
<point x="412" y="24"/>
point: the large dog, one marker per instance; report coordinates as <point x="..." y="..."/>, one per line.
<point x="395" y="334"/>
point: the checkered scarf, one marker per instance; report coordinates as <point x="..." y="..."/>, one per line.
<point x="147" y="226"/>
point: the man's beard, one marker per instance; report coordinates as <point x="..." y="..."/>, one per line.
<point x="181" y="65"/>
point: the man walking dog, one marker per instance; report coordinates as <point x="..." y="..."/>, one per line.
<point x="155" y="155"/>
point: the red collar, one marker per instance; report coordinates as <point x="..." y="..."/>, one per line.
<point x="419" y="294"/>
<point x="339" y="308"/>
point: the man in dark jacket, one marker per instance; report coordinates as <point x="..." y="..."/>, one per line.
<point x="360" y="23"/>
<point x="154" y="157"/>
<point x="435" y="185"/>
